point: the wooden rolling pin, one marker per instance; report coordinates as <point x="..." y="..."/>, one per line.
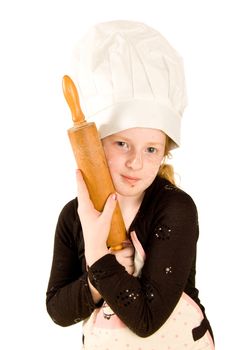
<point x="90" y="158"/>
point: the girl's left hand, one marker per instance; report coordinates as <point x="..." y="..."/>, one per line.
<point x="125" y="256"/>
<point x="95" y="224"/>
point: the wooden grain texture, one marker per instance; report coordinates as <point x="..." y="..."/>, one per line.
<point x="90" y="159"/>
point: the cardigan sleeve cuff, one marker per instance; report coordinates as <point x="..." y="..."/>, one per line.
<point x="104" y="268"/>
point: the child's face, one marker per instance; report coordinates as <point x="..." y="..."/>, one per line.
<point x="134" y="157"/>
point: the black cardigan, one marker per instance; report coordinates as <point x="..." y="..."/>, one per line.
<point x="167" y="227"/>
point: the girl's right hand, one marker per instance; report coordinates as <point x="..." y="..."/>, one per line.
<point x="95" y="224"/>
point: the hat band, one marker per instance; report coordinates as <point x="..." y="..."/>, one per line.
<point x="138" y="113"/>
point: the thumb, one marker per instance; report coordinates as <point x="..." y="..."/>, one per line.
<point x="109" y="208"/>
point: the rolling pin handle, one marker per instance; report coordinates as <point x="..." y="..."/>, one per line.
<point x="71" y="96"/>
<point x="117" y="247"/>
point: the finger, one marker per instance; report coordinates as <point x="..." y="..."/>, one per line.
<point x="137" y="245"/>
<point x="109" y="208"/>
<point x="127" y="243"/>
<point x="128" y="252"/>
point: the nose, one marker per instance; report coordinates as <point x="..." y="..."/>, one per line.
<point x="134" y="161"/>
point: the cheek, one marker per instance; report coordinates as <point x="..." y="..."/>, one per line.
<point x="112" y="161"/>
<point x="152" y="170"/>
<point x="153" y="165"/>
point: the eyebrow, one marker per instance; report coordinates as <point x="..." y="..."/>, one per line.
<point x="124" y="138"/>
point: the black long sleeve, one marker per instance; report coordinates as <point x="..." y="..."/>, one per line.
<point x="145" y="303"/>
<point x="68" y="296"/>
<point x="167" y="228"/>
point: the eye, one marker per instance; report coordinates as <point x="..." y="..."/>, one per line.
<point x="122" y="144"/>
<point x="151" y="150"/>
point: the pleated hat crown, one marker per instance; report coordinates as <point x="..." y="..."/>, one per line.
<point x="128" y="76"/>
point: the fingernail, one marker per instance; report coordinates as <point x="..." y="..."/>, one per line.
<point x="114" y="196"/>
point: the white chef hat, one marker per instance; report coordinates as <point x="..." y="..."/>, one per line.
<point x="128" y="76"/>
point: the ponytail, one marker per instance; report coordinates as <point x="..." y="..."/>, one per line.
<point x="166" y="171"/>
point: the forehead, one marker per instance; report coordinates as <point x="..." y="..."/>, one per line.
<point x="141" y="134"/>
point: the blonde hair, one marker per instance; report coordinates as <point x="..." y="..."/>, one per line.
<point x="166" y="171"/>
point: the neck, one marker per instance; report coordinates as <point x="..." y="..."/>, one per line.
<point x="129" y="207"/>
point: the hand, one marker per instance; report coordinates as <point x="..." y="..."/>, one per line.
<point x="125" y="257"/>
<point x="95" y="225"/>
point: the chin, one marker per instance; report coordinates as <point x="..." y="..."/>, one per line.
<point x="129" y="192"/>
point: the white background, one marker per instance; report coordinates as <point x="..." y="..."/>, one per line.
<point x="37" y="166"/>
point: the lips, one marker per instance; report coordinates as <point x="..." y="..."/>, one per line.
<point x="130" y="179"/>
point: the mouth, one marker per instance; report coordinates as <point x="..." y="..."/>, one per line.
<point x="130" y="179"/>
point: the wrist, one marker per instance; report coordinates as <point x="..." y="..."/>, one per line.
<point x="94" y="293"/>
<point x="94" y="254"/>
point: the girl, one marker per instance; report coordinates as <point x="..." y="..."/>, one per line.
<point x="131" y="85"/>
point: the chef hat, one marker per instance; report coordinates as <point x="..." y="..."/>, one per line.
<point x="128" y="76"/>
